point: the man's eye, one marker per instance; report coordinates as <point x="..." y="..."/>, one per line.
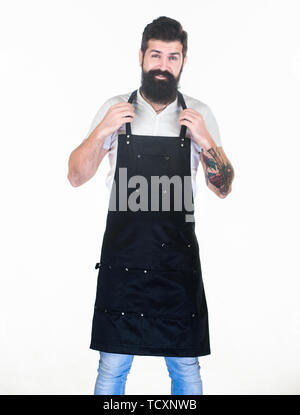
<point x="174" y="58"/>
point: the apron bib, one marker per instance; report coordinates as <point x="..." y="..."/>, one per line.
<point x="150" y="298"/>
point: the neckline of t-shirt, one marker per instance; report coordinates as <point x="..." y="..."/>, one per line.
<point x="172" y="107"/>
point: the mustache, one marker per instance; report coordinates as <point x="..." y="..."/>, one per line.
<point x="155" y="72"/>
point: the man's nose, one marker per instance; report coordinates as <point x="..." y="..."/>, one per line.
<point x="163" y="64"/>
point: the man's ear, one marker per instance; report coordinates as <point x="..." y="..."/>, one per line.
<point x="140" y="57"/>
<point x="184" y="60"/>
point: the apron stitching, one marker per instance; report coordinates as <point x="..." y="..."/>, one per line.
<point x="134" y="313"/>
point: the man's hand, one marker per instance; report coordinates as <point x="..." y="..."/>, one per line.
<point x="195" y="122"/>
<point x="85" y="159"/>
<point x="117" y="115"/>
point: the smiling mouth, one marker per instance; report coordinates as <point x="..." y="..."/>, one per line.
<point x="160" y="77"/>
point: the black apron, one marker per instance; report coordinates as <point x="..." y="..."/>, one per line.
<point x="150" y="297"/>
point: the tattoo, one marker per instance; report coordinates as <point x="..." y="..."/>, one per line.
<point x="221" y="171"/>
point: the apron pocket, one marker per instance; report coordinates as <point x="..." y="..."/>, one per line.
<point x="174" y="256"/>
<point x="173" y="293"/>
<point x="148" y="165"/>
<point x="109" y="287"/>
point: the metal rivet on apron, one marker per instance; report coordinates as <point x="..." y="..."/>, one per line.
<point x="163" y="244"/>
<point x="182" y="139"/>
<point x="142" y="314"/>
<point x="139" y="155"/>
<point x="126" y="269"/>
<point x="109" y="266"/>
<point x="127" y="142"/>
<point x="182" y="145"/>
<point x="167" y="157"/>
<point x="123" y="313"/>
<point x="105" y="310"/>
<point x="189" y="245"/>
<point x="145" y="271"/>
<point x="193" y="315"/>
<point x="128" y="136"/>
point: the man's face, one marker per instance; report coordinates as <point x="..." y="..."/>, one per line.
<point x="161" y="66"/>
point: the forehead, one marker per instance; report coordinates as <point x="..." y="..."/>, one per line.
<point x="164" y="47"/>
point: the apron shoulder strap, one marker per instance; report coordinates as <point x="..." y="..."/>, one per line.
<point x="182" y="103"/>
<point x="132" y="96"/>
<point x="181" y="100"/>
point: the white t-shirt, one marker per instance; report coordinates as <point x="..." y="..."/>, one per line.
<point x="148" y="122"/>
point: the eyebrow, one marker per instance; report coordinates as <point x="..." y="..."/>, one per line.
<point x="158" y="51"/>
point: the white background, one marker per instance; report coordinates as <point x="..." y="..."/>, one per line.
<point x="60" y="60"/>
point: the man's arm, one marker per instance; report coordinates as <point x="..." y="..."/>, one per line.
<point x="85" y="159"/>
<point x="218" y="170"/>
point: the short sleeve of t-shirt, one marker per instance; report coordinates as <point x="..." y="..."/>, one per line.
<point x="97" y="119"/>
<point x="212" y="126"/>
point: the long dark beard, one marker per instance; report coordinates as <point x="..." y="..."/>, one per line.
<point x="160" y="91"/>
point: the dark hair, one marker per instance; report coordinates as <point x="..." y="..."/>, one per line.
<point x="166" y="29"/>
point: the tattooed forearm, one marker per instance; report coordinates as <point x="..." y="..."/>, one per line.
<point x="219" y="172"/>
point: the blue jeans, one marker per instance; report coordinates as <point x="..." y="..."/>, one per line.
<point x="114" y="368"/>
